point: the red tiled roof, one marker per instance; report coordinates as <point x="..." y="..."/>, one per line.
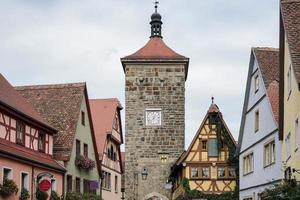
<point x="213" y="108"/>
<point x="60" y="105"/>
<point x="103" y="113"/>
<point x="10" y="97"/>
<point x="155" y="49"/>
<point x="27" y="155"/>
<point x="268" y="61"/>
<point x="273" y="94"/>
<point x="290" y="10"/>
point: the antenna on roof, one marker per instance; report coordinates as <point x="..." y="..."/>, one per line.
<point x="156" y="5"/>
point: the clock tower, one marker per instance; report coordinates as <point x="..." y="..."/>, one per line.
<point x="155" y="78"/>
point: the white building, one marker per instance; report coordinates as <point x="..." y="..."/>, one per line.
<point x="259" y="146"/>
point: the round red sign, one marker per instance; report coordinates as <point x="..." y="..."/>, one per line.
<point x="44" y="185"/>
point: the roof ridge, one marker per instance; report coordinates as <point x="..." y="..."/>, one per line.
<point x="290" y="1"/>
<point x="50" y="86"/>
<point x="266" y="48"/>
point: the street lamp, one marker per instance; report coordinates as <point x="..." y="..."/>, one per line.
<point x="144" y="174"/>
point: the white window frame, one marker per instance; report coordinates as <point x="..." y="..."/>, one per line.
<point x="153" y="110"/>
<point x="11" y="173"/>
<point x="268" y="146"/>
<point x="26" y="184"/>
<point x="251" y="164"/>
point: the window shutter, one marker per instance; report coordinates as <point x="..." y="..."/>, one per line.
<point x="213" y="147"/>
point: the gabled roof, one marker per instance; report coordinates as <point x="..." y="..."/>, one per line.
<point x="103" y="114"/>
<point x="9" y="97"/>
<point x="60" y="105"/>
<point x="290" y="10"/>
<point x="212" y="109"/>
<point x="155" y="49"/>
<point x="17" y="152"/>
<point x="268" y="61"/>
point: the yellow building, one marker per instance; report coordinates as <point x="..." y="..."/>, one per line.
<point x="289" y="87"/>
<point x="206" y="163"/>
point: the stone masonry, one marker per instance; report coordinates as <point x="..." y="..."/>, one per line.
<point x="154" y="148"/>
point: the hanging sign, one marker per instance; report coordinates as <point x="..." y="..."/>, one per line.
<point x="44" y="185"/>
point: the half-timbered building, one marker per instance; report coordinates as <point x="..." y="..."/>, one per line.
<point x="26" y="142"/>
<point x="108" y="132"/>
<point x="207" y="162"/>
<point x="66" y="107"/>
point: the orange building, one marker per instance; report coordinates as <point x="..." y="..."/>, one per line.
<point x="26" y="142"/>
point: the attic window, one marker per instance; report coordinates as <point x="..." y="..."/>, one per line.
<point x="256" y="83"/>
<point x="83" y="118"/>
<point x="256" y="121"/>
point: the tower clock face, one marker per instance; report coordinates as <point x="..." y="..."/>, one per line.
<point x="153" y="117"/>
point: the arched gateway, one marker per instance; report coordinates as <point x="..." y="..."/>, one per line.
<point x="155" y="196"/>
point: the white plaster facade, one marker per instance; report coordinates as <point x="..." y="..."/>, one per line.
<point x="252" y="184"/>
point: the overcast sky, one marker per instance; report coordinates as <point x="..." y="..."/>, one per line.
<point x="44" y="42"/>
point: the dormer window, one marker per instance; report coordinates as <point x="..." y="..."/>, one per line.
<point x="20" y="133"/>
<point x="256" y="83"/>
<point x="41" y="141"/>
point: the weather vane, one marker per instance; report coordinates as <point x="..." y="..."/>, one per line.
<point x="156" y="3"/>
<point x="212" y="99"/>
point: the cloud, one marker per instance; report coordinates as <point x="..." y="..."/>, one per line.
<point x="71" y="41"/>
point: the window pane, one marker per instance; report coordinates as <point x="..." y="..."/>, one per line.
<point x="221" y="172"/>
<point x="205" y="172"/>
<point x="213" y="147"/>
<point x="194" y="172"/>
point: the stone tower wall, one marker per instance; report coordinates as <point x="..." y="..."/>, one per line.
<point x="152" y="86"/>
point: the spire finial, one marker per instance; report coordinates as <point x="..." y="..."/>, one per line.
<point x="212" y="99"/>
<point x="156" y="5"/>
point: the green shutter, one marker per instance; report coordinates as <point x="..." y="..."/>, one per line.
<point x="213" y="147"/>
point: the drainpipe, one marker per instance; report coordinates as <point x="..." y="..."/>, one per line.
<point x="32" y="181"/>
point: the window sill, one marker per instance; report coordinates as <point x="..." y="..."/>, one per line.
<point x="248" y="173"/>
<point x="269" y="165"/>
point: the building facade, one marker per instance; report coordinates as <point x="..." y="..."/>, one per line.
<point x="66" y="107"/>
<point x="155" y="115"/>
<point x="208" y="163"/>
<point x="26" y="142"/>
<point x="109" y="137"/>
<point x="289" y="87"/>
<point x="259" y="144"/>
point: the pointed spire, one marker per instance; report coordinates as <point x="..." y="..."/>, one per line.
<point x="213" y="107"/>
<point x="156" y="22"/>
